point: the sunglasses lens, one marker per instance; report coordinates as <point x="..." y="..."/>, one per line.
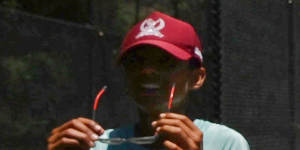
<point x="143" y="140"/>
<point x="113" y="141"/>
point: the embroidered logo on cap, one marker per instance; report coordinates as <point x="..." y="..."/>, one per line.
<point x="151" y="27"/>
<point x="198" y="53"/>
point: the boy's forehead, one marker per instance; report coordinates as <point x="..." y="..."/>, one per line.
<point x="151" y="51"/>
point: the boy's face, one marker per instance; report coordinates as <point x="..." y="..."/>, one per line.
<point x="151" y="73"/>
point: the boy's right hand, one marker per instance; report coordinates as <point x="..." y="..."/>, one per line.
<point x="80" y="133"/>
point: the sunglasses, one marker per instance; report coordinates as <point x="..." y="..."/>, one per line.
<point x="134" y="140"/>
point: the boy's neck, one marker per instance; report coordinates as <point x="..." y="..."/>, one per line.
<point x="144" y="127"/>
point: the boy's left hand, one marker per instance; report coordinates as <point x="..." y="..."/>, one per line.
<point x="181" y="133"/>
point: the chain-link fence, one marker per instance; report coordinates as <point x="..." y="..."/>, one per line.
<point x="51" y="69"/>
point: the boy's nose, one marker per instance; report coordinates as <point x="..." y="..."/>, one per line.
<point x="149" y="70"/>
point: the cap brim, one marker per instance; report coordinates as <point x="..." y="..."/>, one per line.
<point x="170" y="48"/>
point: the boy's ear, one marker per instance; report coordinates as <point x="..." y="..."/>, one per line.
<point x="199" y="76"/>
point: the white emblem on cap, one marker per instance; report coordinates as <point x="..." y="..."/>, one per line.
<point x="198" y="53"/>
<point x="151" y="27"/>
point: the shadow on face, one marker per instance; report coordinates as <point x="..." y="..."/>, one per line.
<point x="151" y="71"/>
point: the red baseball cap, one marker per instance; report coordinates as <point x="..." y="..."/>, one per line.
<point x="170" y="34"/>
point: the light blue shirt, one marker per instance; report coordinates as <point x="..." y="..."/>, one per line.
<point x="215" y="137"/>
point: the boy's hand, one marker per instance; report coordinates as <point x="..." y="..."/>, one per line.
<point x="78" y="133"/>
<point x="181" y="133"/>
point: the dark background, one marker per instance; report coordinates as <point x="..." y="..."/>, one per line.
<point x="56" y="55"/>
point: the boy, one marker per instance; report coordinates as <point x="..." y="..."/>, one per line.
<point x="158" y="54"/>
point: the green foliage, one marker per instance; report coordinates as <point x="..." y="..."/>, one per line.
<point x="33" y="72"/>
<point x="125" y="15"/>
<point x="10" y="3"/>
<point x="38" y="70"/>
<point x="33" y="84"/>
<point x="121" y="13"/>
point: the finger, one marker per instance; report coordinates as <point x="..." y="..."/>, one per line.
<point x="73" y="131"/>
<point x="172" y="122"/>
<point x="196" y="134"/>
<point x="173" y="133"/>
<point x="176" y="135"/>
<point x="87" y="126"/>
<point x="183" y="118"/>
<point x="65" y="143"/>
<point x="53" y="138"/>
<point x="171" y="146"/>
<point x="70" y="133"/>
<point x="63" y="127"/>
<point x="92" y="124"/>
<point x="79" y="125"/>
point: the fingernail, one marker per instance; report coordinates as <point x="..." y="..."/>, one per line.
<point x="157" y="129"/>
<point x="162" y="115"/>
<point x="153" y="123"/>
<point x="98" y="128"/>
<point x="102" y="131"/>
<point x="91" y="144"/>
<point x="94" y="137"/>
